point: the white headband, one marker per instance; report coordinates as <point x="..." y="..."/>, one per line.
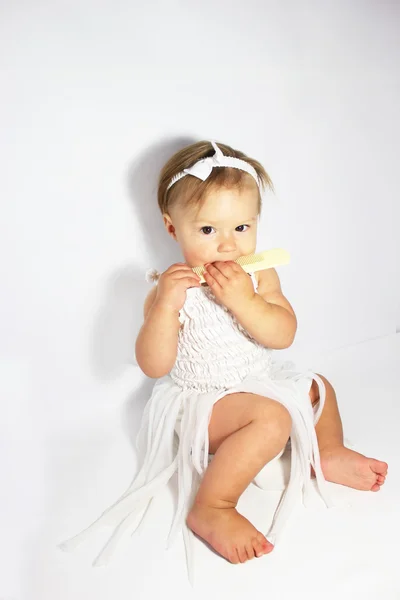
<point x="203" y="167"/>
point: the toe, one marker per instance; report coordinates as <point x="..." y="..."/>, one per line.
<point x="234" y="557"/>
<point x="242" y="554"/>
<point x="379" y="467"/>
<point x="266" y="546"/>
<point x="258" y="549"/>
<point x="375" y="488"/>
<point x="250" y="551"/>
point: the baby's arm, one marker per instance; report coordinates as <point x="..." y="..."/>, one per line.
<point x="272" y="320"/>
<point x="269" y="287"/>
<point x="157" y="341"/>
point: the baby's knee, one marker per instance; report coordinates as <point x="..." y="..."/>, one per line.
<point x="283" y="421"/>
<point x="276" y="417"/>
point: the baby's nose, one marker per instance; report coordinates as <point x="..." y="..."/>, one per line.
<point x="227" y="245"/>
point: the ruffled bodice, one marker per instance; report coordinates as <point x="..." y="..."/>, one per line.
<point x="214" y="351"/>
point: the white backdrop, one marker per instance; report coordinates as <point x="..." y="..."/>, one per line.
<point x="95" y="97"/>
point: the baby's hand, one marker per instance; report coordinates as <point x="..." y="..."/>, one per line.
<point x="230" y="284"/>
<point x="172" y="286"/>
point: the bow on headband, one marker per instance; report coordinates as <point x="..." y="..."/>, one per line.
<point x="203" y="167"/>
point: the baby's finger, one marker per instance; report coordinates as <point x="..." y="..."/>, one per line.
<point x="185" y="274"/>
<point x="236" y="267"/>
<point x="176" y="267"/>
<point x="192" y="282"/>
<point x="224" y="265"/>
<point x="216" y="274"/>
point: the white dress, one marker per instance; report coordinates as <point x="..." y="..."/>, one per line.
<point x="215" y="357"/>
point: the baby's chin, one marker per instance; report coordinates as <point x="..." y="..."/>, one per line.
<point x="198" y="263"/>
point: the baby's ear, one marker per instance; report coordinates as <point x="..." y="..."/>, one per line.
<point x="169" y="226"/>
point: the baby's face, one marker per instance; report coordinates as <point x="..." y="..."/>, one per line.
<point x="224" y="228"/>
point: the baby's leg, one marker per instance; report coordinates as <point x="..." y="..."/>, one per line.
<point x="329" y="428"/>
<point x="340" y="464"/>
<point x="246" y="431"/>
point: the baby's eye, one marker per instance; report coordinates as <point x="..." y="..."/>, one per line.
<point x="206" y="227"/>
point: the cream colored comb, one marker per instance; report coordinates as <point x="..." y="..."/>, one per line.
<point x="256" y="262"/>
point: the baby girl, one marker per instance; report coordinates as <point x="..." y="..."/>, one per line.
<point x="219" y="390"/>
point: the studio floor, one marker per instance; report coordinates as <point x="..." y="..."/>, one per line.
<point x="346" y="552"/>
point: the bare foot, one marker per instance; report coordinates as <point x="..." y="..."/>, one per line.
<point x="342" y="465"/>
<point x="228" y="532"/>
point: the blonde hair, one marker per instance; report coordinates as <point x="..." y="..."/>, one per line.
<point x="191" y="191"/>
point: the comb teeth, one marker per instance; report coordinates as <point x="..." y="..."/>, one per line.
<point x="255" y="262"/>
<point x="252" y="259"/>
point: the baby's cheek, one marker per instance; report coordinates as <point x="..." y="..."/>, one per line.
<point x="196" y="261"/>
